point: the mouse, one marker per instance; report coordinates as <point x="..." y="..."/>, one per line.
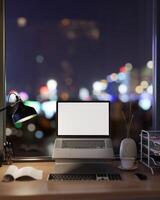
<point x="141" y="176"/>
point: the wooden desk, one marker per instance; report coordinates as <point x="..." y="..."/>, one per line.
<point x="129" y="188"/>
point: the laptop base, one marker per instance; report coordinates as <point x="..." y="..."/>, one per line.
<point x="82" y="167"/>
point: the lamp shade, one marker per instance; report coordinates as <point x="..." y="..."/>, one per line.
<point x="23" y="113"/>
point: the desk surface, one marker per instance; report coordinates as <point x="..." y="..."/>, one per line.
<point x="129" y="188"/>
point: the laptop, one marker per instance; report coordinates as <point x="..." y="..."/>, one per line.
<point x="83" y="130"/>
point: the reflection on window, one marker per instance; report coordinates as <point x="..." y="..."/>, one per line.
<point x="77" y="51"/>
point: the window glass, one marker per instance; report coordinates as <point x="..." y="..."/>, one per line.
<point x="77" y="50"/>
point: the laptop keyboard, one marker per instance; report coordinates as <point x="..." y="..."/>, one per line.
<point x="84" y="177"/>
<point x="83" y="144"/>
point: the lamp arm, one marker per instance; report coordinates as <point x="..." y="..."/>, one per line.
<point x="4" y="108"/>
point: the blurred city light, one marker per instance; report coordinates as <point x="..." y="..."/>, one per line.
<point x="18" y="125"/>
<point x="105" y="97"/>
<point x="128" y="66"/>
<point x="114" y="77"/>
<point x="39" y="134"/>
<point x="39" y="58"/>
<point x="150" y="64"/>
<point x="95" y="34"/>
<point x="124" y="98"/>
<point x="139" y="89"/>
<point x="65" y="22"/>
<point x="99" y="85"/>
<point x="150" y="89"/>
<point x="35" y="104"/>
<point x="64" y="96"/>
<point x="21" y="21"/>
<point x="84" y="94"/>
<point x="24" y="96"/>
<point x="145" y="104"/>
<point x="52" y="84"/>
<point x="8" y="131"/>
<point x="109" y="78"/>
<point x="122" y="69"/>
<point x="144" y="84"/>
<point x="44" y="92"/>
<point x="52" y="89"/>
<point x="121" y="76"/>
<point x="123" y="88"/>
<point x="49" y="108"/>
<point x="31" y="127"/>
<point x="145" y="101"/>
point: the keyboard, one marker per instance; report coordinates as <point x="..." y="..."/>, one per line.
<point x="84" y="177"/>
<point x="83" y="144"/>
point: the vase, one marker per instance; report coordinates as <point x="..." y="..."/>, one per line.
<point x="128" y="148"/>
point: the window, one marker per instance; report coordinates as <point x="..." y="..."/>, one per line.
<point x="70" y="50"/>
<point x="2" y="123"/>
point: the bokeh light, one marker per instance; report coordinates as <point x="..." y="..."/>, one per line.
<point x="144" y="84"/>
<point x="129" y="66"/>
<point x="150" y="89"/>
<point x="139" y="89"/>
<point x="52" y="84"/>
<point x="8" y="131"/>
<point x="24" y="96"/>
<point x="145" y="104"/>
<point x="64" y="96"/>
<point x="105" y="97"/>
<point x="123" y="88"/>
<point x="65" y="22"/>
<point x="150" y="64"/>
<point x="84" y="94"/>
<point x="99" y="85"/>
<point x="44" y="93"/>
<point x="121" y="76"/>
<point x="31" y="127"/>
<point x="39" y="134"/>
<point x="18" y="125"/>
<point x="122" y="69"/>
<point x="114" y="77"/>
<point x="124" y="98"/>
<point x="49" y="108"/>
<point x="145" y="101"/>
<point x="95" y="34"/>
<point x="44" y="90"/>
<point x="21" y="21"/>
<point x="39" y="58"/>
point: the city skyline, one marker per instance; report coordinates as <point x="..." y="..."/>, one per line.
<point x="40" y="48"/>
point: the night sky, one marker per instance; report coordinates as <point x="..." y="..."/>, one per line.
<point x="125" y="36"/>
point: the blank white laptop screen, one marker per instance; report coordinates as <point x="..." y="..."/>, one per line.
<point x="83" y="118"/>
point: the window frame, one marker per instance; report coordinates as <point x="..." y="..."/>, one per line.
<point x="2" y="76"/>
<point x="156" y="64"/>
<point x="156" y="74"/>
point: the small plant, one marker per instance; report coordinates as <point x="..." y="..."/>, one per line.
<point x="128" y="118"/>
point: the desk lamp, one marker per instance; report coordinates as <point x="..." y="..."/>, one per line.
<point x="22" y="112"/>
